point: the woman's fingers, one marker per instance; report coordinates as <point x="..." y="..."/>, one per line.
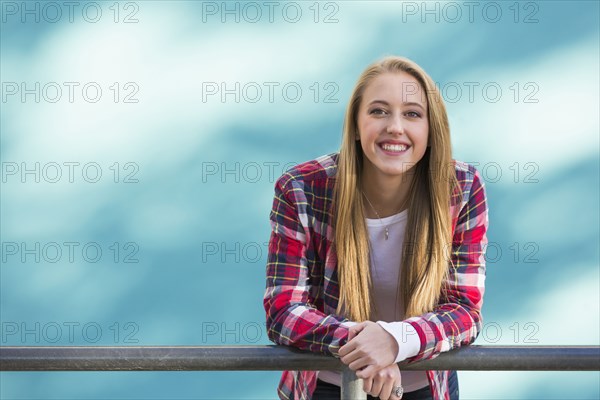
<point x="348" y="353"/>
<point x="367" y="385"/>
<point x="350" y="344"/>
<point x="386" y="389"/>
<point x="352" y="333"/>
<point x="377" y="385"/>
<point x="366" y="372"/>
<point x="382" y="383"/>
<point x="349" y="349"/>
<point x="355" y="330"/>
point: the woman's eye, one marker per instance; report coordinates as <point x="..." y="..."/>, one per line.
<point x="413" y="114"/>
<point x="377" y="111"/>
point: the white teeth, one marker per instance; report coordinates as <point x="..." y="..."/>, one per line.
<point x="394" y="147"/>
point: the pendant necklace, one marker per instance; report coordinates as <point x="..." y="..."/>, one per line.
<point x="387" y="234"/>
<point x="385" y="227"/>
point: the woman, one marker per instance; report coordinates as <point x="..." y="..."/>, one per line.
<point x="376" y="254"/>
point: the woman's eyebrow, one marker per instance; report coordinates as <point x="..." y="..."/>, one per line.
<point x="406" y="103"/>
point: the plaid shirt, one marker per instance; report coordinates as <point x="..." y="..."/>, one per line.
<point x="302" y="290"/>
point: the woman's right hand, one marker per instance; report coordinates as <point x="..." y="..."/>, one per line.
<point x="369" y="348"/>
<point x="382" y="383"/>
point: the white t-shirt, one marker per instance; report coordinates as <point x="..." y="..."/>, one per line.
<point x="386" y="260"/>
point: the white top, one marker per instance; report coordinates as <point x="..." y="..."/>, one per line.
<point x="386" y="263"/>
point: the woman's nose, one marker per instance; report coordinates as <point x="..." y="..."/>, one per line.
<point x="395" y="125"/>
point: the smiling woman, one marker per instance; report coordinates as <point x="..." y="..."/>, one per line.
<point x="396" y="276"/>
<point x="403" y="121"/>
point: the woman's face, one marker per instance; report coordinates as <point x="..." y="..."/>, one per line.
<point x="392" y="124"/>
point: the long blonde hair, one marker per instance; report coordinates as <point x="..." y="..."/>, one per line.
<point x="426" y="252"/>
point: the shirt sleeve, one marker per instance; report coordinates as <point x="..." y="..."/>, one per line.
<point x="292" y="315"/>
<point x="406" y="336"/>
<point x="457" y="319"/>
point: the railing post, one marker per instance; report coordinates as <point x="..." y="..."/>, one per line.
<point x="352" y="387"/>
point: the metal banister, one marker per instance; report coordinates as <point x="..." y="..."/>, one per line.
<point x="277" y="358"/>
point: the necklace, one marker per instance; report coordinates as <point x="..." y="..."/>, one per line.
<point x="387" y="232"/>
<point x="374" y="264"/>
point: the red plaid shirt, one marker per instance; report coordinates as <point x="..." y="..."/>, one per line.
<point x="302" y="290"/>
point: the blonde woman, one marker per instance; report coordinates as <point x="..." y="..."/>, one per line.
<point x="376" y="253"/>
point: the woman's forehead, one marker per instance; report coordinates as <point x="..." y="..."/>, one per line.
<point x="397" y="87"/>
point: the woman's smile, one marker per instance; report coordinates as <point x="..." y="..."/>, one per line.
<point x="392" y="148"/>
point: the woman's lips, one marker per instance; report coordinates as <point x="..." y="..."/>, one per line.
<point x="393" y="148"/>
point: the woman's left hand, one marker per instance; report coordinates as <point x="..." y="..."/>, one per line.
<point x="369" y="349"/>
<point x="383" y="383"/>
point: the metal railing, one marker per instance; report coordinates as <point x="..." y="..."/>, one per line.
<point x="277" y="358"/>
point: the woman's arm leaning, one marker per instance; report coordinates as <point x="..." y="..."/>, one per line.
<point x="290" y="304"/>
<point x="457" y="320"/>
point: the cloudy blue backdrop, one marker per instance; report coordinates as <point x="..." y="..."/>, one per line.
<point x="141" y="140"/>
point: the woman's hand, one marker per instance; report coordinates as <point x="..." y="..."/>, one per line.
<point x="383" y="382"/>
<point x="369" y="349"/>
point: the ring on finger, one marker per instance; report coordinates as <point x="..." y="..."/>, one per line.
<point x="398" y="391"/>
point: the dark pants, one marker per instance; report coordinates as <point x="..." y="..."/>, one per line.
<point x="327" y="391"/>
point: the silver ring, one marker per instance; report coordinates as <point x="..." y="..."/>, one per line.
<point x="398" y="391"/>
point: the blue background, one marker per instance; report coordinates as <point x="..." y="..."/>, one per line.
<point x="191" y="201"/>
